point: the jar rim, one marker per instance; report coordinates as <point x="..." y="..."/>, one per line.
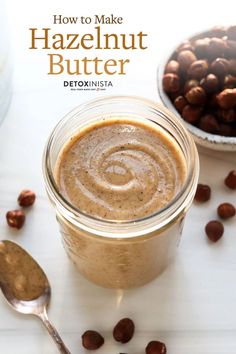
<point x="134" y="227"/>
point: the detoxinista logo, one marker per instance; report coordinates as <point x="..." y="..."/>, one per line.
<point x="88" y="85"/>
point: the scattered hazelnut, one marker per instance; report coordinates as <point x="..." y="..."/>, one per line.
<point x="216" y="48"/>
<point x="196" y="96"/>
<point x="26" y="198"/>
<point x="219" y="67"/>
<point x="231" y="33"/>
<point x="198" y="69"/>
<point x="171" y="82"/>
<point x="210" y="83"/>
<point x="15" y="218"/>
<point x="191" y="114"/>
<point x="230" y="180"/>
<point x="226" y="210"/>
<point x="227" y="98"/>
<point x="180" y="102"/>
<point x="124" y="330"/>
<point x="172" y="67"/>
<point x="185" y="59"/>
<point x="214" y="230"/>
<point x="155" y="347"/>
<point x="92" y="340"/>
<point x="203" y="193"/>
<point x="209" y="124"/>
<point x="190" y="84"/>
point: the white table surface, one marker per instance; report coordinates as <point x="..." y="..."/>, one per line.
<point x="192" y="305"/>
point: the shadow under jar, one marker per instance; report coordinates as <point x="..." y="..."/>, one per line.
<point x="114" y="252"/>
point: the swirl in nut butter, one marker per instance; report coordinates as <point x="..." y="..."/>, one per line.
<point x="120" y="169"/>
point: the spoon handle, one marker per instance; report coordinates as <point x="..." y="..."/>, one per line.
<point x="53" y="332"/>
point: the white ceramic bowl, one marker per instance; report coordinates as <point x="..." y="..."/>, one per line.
<point x="211" y="141"/>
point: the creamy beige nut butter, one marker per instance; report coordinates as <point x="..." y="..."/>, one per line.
<point x="20" y="275"/>
<point x="121" y="173"/>
<point x="120" y="170"/>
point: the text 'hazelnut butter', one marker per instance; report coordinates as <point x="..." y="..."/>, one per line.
<point x="121" y="173"/>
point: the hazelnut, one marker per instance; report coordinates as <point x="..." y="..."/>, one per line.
<point x="227" y="116"/>
<point x="203" y="193"/>
<point x="206" y="70"/>
<point x="92" y="340"/>
<point x="26" y="198"/>
<point x="185" y="59"/>
<point x="230" y="180"/>
<point x="200" y="46"/>
<point x="172" y="67"/>
<point x="171" y="82"/>
<point x="155" y="347"/>
<point x="219" y="67"/>
<point x="216" y="48"/>
<point x="186" y="45"/>
<point x="124" y="330"/>
<point x="214" y="230"/>
<point x="190" y="84"/>
<point x="229" y="81"/>
<point x="231" y="49"/>
<point x="210" y="83"/>
<point x="180" y="102"/>
<point x="196" y="96"/>
<point x="231" y="33"/>
<point x="191" y="114"/>
<point x="198" y="69"/>
<point x="209" y="124"/>
<point x="232" y="67"/>
<point x="15" y="218"/>
<point x="227" y="98"/>
<point x="225" y="130"/>
<point x="226" y="210"/>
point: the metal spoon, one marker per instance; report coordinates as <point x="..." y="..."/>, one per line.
<point x="26" y="287"/>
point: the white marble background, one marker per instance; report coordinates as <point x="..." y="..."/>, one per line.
<point x="192" y="306"/>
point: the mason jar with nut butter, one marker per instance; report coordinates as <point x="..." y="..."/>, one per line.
<point x="121" y="173"/>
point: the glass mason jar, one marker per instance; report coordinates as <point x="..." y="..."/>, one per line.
<point x="119" y="254"/>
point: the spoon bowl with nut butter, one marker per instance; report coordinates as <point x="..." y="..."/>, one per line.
<point x="26" y="287"/>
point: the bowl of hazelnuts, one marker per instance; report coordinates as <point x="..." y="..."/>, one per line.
<point x="198" y="83"/>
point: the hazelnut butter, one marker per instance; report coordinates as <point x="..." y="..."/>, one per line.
<point x="20" y="275"/>
<point x="121" y="173"/>
<point x="120" y="170"/>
